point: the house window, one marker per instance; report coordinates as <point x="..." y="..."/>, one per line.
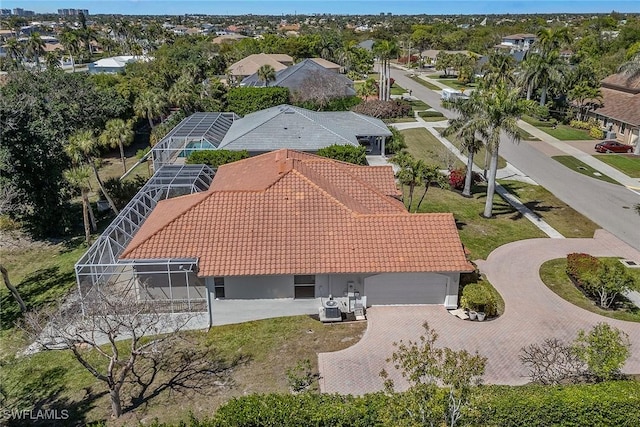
<point x="218" y="287"/>
<point x="304" y="286"/>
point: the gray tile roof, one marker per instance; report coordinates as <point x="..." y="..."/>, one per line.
<point x="296" y="128"/>
<point x="294" y="78"/>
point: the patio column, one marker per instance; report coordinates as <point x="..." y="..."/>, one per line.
<point x="382" y="141"/>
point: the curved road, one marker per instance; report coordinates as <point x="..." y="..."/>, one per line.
<point x="608" y="205"/>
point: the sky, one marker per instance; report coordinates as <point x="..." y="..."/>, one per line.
<point x="370" y="7"/>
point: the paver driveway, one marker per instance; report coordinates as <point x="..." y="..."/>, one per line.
<point x="532" y="313"/>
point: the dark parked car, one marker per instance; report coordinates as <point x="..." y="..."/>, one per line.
<point x="611" y="146"/>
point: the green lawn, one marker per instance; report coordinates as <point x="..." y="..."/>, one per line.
<point x="455" y="84"/>
<point x="396" y="89"/>
<point x="556" y="213"/>
<point x="553" y="274"/>
<point x="423" y="145"/>
<point x="400" y="120"/>
<point x="625" y="163"/>
<point x="419" y="105"/>
<point x="480" y="157"/>
<point x="480" y="235"/>
<point x="526" y="136"/>
<point x="560" y="131"/>
<point x="425" y="83"/>
<point x="583" y="168"/>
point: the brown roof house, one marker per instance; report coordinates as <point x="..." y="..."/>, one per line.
<point x="250" y="65"/>
<point x="280" y="233"/>
<point x="620" y="108"/>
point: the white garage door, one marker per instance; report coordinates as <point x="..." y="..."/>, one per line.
<point x="407" y="288"/>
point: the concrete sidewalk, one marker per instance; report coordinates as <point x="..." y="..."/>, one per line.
<point x="632" y="183"/>
<point x="509" y="172"/>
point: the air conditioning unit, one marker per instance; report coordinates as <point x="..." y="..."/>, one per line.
<point x="330" y="311"/>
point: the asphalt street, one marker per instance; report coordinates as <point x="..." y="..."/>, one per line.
<point x="608" y="205"/>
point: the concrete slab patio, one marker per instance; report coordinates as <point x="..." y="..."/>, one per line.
<point x="532" y="313"/>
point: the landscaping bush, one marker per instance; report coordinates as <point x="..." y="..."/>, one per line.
<point x="383" y="109"/>
<point x="245" y="100"/>
<point x="215" y="158"/>
<point x="580" y="265"/>
<point x="457" y="178"/>
<point x="479" y="297"/>
<point x="395" y="143"/>
<point x="596" y="132"/>
<point x="604" y="404"/>
<point x="578" y="124"/>
<point x="345" y="153"/>
<point x="122" y="192"/>
<point x="430" y="114"/>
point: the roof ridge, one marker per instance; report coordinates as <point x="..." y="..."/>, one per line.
<point x="384" y="197"/>
<point x="205" y="196"/>
<point x="255" y="127"/>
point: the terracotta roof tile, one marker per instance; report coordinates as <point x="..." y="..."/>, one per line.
<point x="292" y="213"/>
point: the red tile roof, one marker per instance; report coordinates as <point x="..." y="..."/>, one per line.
<point x="288" y="212"/>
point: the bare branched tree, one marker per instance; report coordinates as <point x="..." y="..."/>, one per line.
<point x="116" y="339"/>
<point x="553" y="362"/>
<point x="320" y="88"/>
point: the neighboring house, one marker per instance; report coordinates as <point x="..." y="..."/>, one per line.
<point x="431" y="55"/>
<point x="272" y="129"/>
<point x="306" y="76"/>
<point x="517" y="42"/>
<point x="227" y="38"/>
<point x="296" y="128"/>
<point x="250" y="65"/>
<point x="114" y="64"/>
<point x="280" y="231"/>
<point x="331" y="66"/>
<point x="620" y="110"/>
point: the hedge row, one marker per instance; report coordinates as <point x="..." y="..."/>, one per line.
<point x="430" y="114"/>
<point x="611" y="403"/>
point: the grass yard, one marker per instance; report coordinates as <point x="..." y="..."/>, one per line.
<point x="556" y="213"/>
<point x="628" y="164"/>
<point x="419" y="105"/>
<point x="423" y="145"/>
<point x="526" y="136"/>
<point x="424" y="83"/>
<point x="400" y="120"/>
<point x="43" y="274"/>
<point x="553" y="274"/>
<point x="455" y="84"/>
<point x="583" y="168"/>
<point x="479" y="235"/>
<point x="560" y="131"/>
<point x="396" y="89"/>
<point x="480" y="157"/>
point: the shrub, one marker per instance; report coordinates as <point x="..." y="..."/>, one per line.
<point x="345" y="153"/>
<point x="215" y="158"/>
<point x="579" y="265"/>
<point x="604" y="350"/>
<point x="384" y="109"/>
<point x="123" y="191"/>
<point x="596" y="132"/>
<point x="338" y="104"/>
<point x="395" y="143"/>
<point x="245" y="100"/>
<point x="580" y="124"/>
<point x="457" y="178"/>
<point x="479" y="297"/>
<point x="430" y="114"/>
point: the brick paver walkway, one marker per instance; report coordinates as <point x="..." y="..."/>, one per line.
<point x="532" y="313"/>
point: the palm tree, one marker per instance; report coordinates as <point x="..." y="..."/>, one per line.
<point x="78" y="177"/>
<point x="415" y="173"/>
<point x="71" y="43"/>
<point x="118" y="133"/>
<point x="15" y="51"/>
<point x="541" y="71"/>
<point x="367" y="89"/>
<point x="465" y="128"/>
<point x="266" y="73"/>
<point x="385" y="50"/>
<point x="82" y="148"/>
<point x="551" y="40"/>
<point x="583" y="95"/>
<point x="496" y="112"/>
<point x="35" y="48"/>
<point x="499" y="69"/>
<point x="52" y="59"/>
<point x="150" y="104"/>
